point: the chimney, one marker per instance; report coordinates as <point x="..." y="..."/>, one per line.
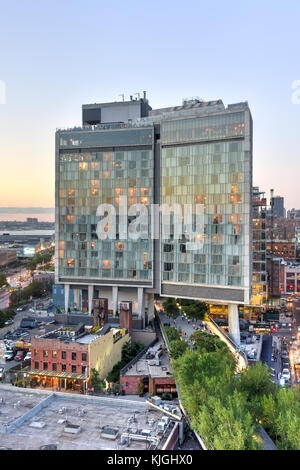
<point x="144" y="95"/>
<point x="100" y="307"/>
<point x="125" y="309"/>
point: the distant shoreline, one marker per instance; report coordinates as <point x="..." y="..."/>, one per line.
<point x="26" y="210"/>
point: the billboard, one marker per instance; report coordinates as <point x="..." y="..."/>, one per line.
<point x="28" y="251"/>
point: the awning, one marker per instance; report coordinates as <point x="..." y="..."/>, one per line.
<point x="60" y="375"/>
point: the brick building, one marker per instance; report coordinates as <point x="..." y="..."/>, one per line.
<point x="65" y="357"/>
<point x="145" y="375"/>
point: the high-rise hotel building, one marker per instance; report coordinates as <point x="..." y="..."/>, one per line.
<point x="197" y="153"/>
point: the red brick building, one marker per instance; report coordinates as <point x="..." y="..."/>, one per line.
<point x="152" y="376"/>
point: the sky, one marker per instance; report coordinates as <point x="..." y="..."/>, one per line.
<point x="57" y="55"/>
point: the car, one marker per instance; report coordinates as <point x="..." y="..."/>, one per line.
<point x="20" y="355"/>
<point x="2" y="373"/>
<point x="28" y="356"/>
<point x="8" y="322"/>
<point x="286" y="374"/>
<point x="21" y="309"/>
<point x="273" y="372"/>
<point x="9" y="355"/>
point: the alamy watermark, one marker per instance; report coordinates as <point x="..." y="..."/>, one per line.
<point x="2" y="92"/>
<point x="296" y="94"/>
<point x="165" y="222"/>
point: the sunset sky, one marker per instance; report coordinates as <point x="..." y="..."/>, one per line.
<point x="55" y="56"/>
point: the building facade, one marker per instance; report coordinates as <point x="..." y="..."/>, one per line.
<point x="197" y="154"/>
<point x="259" y="273"/>
<point x="64" y="358"/>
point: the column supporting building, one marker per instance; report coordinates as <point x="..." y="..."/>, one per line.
<point x="234" y="323"/>
<point x="90" y="297"/>
<point x="141" y="304"/>
<point x="77" y="299"/>
<point x="115" y="300"/>
<point x="67" y="296"/>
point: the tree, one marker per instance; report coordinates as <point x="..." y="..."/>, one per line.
<point x="194" y="308"/>
<point x="172" y="333"/>
<point x="177" y="348"/>
<point x="3" y="281"/>
<point x="170" y="307"/>
<point x="206" y="342"/>
<point x="95" y="380"/>
<point x="255" y="382"/>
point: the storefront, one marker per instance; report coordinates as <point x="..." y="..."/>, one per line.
<point x="58" y="381"/>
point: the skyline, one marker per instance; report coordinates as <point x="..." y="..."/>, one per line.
<point x="64" y="64"/>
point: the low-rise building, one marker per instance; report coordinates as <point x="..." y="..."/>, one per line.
<point x="149" y="373"/>
<point x="7" y="257"/>
<point x="64" y="358"/>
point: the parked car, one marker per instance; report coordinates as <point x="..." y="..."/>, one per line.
<point x="9" y="322"/>
<point x="20" y="355"/>
<point x="2" y="373"/>
<point x="28" y="356"/>
<point x="9" y="355"/>
<point x="273" y="372"/>
<point x="286" y="374"/>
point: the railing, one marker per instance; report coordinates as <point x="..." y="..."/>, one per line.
<point x="227" y="340"/>
<point x="177" y="386"/>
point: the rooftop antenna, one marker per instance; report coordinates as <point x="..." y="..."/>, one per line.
<point x="137" y="94"/>
<point x="122" y="96"/>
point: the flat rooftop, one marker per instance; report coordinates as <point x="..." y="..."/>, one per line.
<point x="46" y="426"/>
<point x="144" y="366"/>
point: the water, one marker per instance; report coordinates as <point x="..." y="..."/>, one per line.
<point x="28" y="232"/>
<point x="21" y="217"/>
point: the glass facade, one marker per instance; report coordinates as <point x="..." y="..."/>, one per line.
<point x="217" y="176"/>
<point x="193" y="154"/>
<point x="86" y="180"/>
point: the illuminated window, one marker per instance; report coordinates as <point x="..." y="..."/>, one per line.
<point x="144" y="200"/>
<point x="94" y="192"/>
<point x="119" y="246"/>
<point x="132" y="191"/>
<point x="95" y="165"/>
<point x="235" y="198"/>
<point x="54" y="354"/>
<point x="106" y="263"/>
<point x="105" y="174"/>
<point x="71" y="192"/>
<point x="83" y="165"/>
<point x="45" y="353"/>
<point x="70" y="219"/>
<point x="70" y="262"/>
<point x="95" y="183"/>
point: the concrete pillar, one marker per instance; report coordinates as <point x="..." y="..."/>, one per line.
<point x="234" y="323"/>
<point x="141" y="304"/>
<point x="76" y="299"/>
<point x="180" y="434"/>
<point x="115" y="300"/>
<point x="67" y="295"/>
<point x="90" y="297"/>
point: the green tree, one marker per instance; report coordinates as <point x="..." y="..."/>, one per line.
<point x="3" y="281"/>
<point x="170" y="307"/>
<point x="206" y="342"/>
<point x="177" y="348"/>
<point x="95" y="381"/>
<point x="194" y="308"/>
<point x="255" y="382"/>
<point x="172" y="333"/>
